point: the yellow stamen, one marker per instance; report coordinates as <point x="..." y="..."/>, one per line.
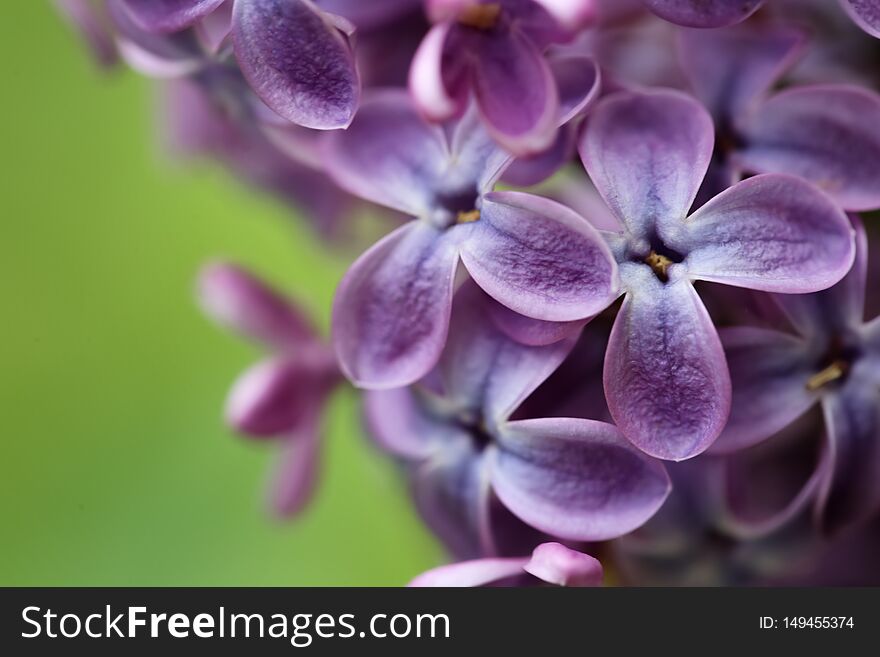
<point x="481" y="17"/>
<point x="833" y="372"/>
<point x="659" y="263"/>
<point x="468" y="217"/>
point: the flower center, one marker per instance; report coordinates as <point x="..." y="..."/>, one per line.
<point x="481" y="17"/>
<point x="457" y="206"/>
<point x="474" y="425"/>
<point x="659" y="264"/>
<point x="834" y="372"/>
<point x="467" y="217"/>
<point x="835" y="365"/>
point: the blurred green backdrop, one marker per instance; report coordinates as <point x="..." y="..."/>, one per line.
<point x="116" y="469"/>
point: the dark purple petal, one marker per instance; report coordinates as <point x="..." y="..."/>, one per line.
<point x="237" y="299"/>
<point x="528" y="331"/>
<point x="772" y="232"/>
<point x="647" y="154"/>
<point x="576" y="479"/>
<point x="484" y="370"/>
<point x="391" y="312"/>
<point x="769" y="371"/>
<point x="477" y="572"/>
<point x="704" y="13"/>
<point x="295" y="476"/>
<point x="556" y="564"/>
<point x="827" y="134"/>
<point x="389" y="155"/>
<point x="432" y="87"/>
<point x="297" y="61"/>
<point x="515" y="91"/>
<point x="666" y="378"/>
<point x="164" y="16"/>
<point x="730" y="68"/>
<point x="866" y="14"/>
<point x="539" y="258"/>
<point x="372" y="14"/>
<point x="851" y="492"/>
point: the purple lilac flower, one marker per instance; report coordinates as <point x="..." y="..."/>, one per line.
<point x="493" y="50"/>
<point x="828" y="134"/>
<point x="832" y="360"/>
<point x="283" y="396"/>
<point x="297" y="59"/>
<point x="569" y="478"/>
<point x="549" y="563"/>
<point x="666" y="379"/>
<point x="535" y="256"/>
<point x="865" y="13"/>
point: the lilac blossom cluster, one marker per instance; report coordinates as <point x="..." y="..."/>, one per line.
<point x="622" y="312"/>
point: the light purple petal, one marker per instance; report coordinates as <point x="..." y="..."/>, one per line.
<point x="576" y="479"/>
<point x="400" y="423"/>
<point x="866" y="14"/>
<point x="704" y="13"/>
<point x="239" y="300"/>
<point x="666" y="379"/>
<point x="389" y="155"/>
<point x="484" y="370"/>
<point x="515" y="91"/>
<point x="647" y="154"/>
<point x="297" y="61"/>
<point x="851" y="492"/>
<point x="295" y="476"/>
<point x="827" y="134"/>
<point x="528" y="331"/>
<point x="429" y="82"/>
<point x="773" y="232"/>
<point x="477" y="572"/>
<point x="164" y="16"/>
<point x="769" y="371"/>
<point x="391" y="312"/>
<point x="573" y="15"/>
<point x="539" y="258"/>
<point x="730" y="68"/>
<point x="556" y="564"/>
<point x="474" y="155"/>
<point x="215" y="29"/>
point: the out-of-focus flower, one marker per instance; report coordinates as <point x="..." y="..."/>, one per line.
<point x="704" y="13"/>
<point x="550" y="563"/>
<point x="282" y="397"/>
<point x="493" y="51"/>
<point x="569" y="478"/>
<point x="93" y="23"/>
<point x="391" y="313"/>
<point x="666" y="380"/>
<point x="834" y="360"/>
<point x="828" y="134"/>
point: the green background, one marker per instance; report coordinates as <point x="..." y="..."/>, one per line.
<point x="115" y="467"/>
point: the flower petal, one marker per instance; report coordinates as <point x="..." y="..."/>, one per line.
<point x="851" y="492"/>
<point x="528" y="331"/>
<point x="769" y="371"/>
<point x="477" y="572"/>
<point x="164" y="16"/>
<point x="391" y="312"/>
<point x="704" y="13"/>
<point x="573" y="15"/>
<point x="515" y="91"/>
<point x="389" y="155"/>
<point x="773" y="232"/>
<point x="556" y="564"/>
<point x="576" y="479"/>
<point x="484" y="370"/>
<point x="239" y="300"/>
<point x="399" y="421"/>
<point x="647" y="154"/>
<point x="430" y="79"/>
<point x="295" y="477"/>
<point x="666" y="379"/>
<point x="826" y="134"/>
<point x="866" y="14"/>
<point x="92" y="23"/>
<point x="539" y="258"/>
<point x="297" y="61"/>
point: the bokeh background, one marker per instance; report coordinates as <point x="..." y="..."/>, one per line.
<point x="116" y="468"/>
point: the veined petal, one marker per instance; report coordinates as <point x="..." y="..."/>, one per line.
<point x="164" y="16"/>
<point x="484" y="370"/>
<point x="866" y="14"/>
<point x="556" y="564"/>
<point x="515" y="91"/>
<point x="666" y="378"/>
<point x="239" y="300"/>
<point x="476" y="572"/>
<point x="576" y="479"/>
<point x="773" y="232"/>
<point x="391" y="312"/>
<point x="539" y="258"/>
<point x="389" y="155"/>
<point x="297" y="61"/>
<point x="704" y="13"/>
<point x="647" y="154"/>
<point x="826" y="134"/>
<point x="769" y="371"/>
